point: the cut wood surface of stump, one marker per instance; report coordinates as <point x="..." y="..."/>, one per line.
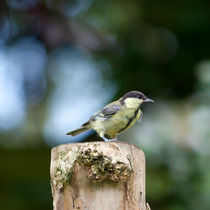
<point x="98" y="176"/>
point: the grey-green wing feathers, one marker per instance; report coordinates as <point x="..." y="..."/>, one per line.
<point x="108" y="111"/>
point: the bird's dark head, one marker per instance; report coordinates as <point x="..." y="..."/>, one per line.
<point x="135" y="97"/>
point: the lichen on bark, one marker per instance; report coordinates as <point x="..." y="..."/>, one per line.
<point x="64" y="167"/>
<point x="99" y="167"/>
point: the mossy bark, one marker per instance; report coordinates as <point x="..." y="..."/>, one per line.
<point x="98" y="175"/>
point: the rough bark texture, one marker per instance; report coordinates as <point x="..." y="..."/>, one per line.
<point x="98" y="176"/>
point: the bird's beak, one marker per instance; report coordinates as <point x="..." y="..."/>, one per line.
<point x="148" y="100"/>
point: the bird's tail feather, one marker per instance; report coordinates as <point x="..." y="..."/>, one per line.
<point x="77" y="131"/>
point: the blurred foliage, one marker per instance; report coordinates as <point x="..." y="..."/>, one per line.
<point x="62" y="60"/>
<point x="25" y="179"/>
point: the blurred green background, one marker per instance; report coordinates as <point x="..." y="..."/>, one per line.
<point x="62" y="60"/>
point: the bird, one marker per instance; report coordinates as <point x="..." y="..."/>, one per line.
<point x="116" y="117"/>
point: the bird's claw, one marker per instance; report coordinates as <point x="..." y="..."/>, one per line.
<point x="108" y="140"/>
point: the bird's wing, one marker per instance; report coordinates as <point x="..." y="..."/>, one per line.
<point x="108" y="111"/>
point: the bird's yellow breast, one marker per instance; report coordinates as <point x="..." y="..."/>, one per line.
<point x="134" y="120"/>
<point x="118" y="123"/>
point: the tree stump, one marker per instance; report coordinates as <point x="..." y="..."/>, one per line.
<point x="98" y="176"/>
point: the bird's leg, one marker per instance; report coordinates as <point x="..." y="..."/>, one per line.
<point x="105" y="139"/>
<point x="101" y="134"/>
<point x="113" y="138"/>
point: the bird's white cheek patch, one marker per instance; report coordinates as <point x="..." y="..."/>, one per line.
<point x="133" y="102"/>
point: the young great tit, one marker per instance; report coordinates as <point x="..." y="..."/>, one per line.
<point x="115" y="117"/>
